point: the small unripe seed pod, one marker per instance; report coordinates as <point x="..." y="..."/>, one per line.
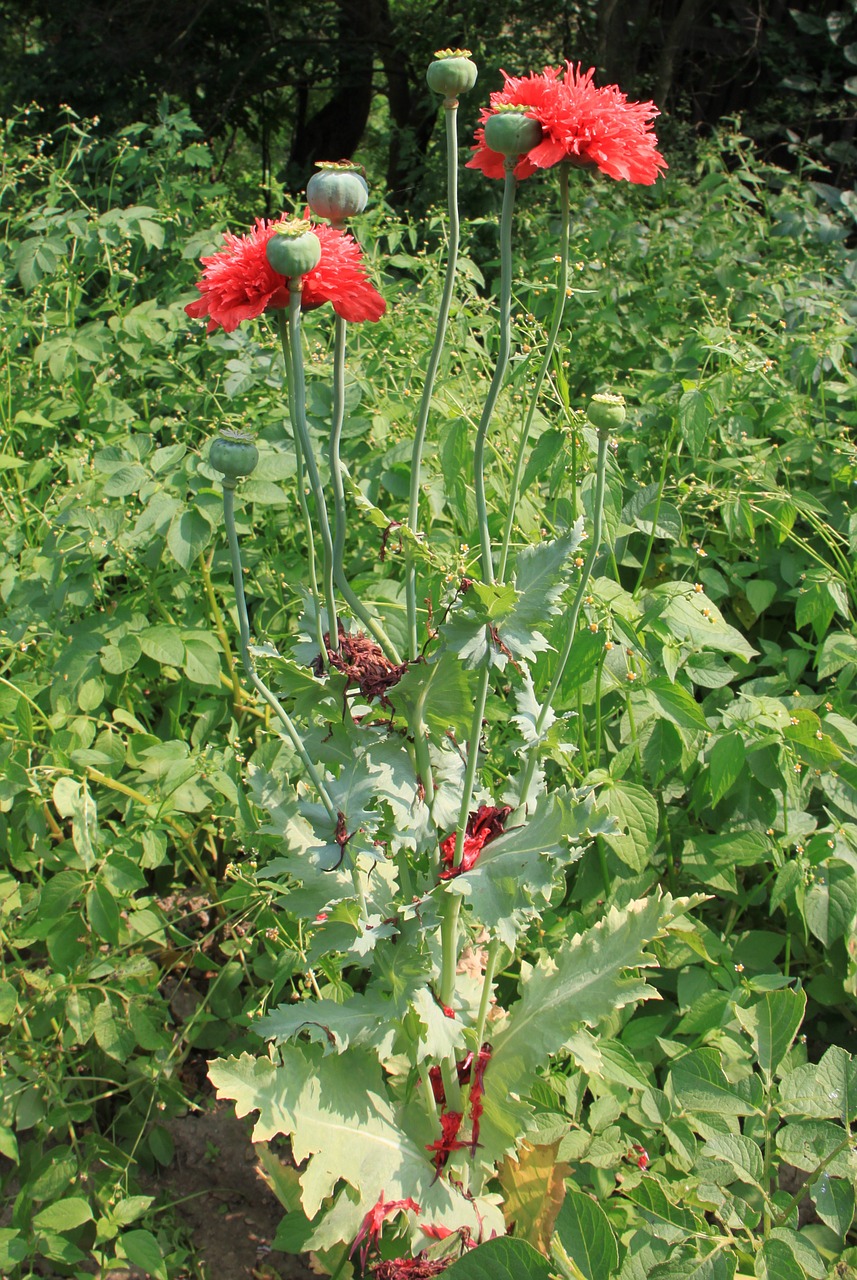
<point x="294" y="250"/>
<point x="338" y="191"/>
<point x="452" y="72"/>
<point x="605" y="412"/>
<point x="234" y="455"/>
<point x="512" y="133"/>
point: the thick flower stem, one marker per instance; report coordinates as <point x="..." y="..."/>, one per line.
<point x="500" y="368"/>
<point x="556" y="321"/>
<point x="480" y="698"/>
<point x="247" y="658"/>
<point x="449" y="946"/>
<point x="299" y="394"/>
<point x="283" y="329"/>
<point x="339" y="515"/>
<point x="451" y="109"/>
<point x="487" y="988"/>
<point x="571" y="629"/>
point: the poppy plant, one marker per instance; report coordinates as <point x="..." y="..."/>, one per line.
<point x="582" y="124"/>
<point x="238" y="282"/>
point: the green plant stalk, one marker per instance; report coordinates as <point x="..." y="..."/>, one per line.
<point x="451" y="108"/>
<point x="487" y="987"/>
<point x="283" y="329"/>
<point x="665" y="460"/>
<point x="451" y="910"/>
<point x="247" y="658"/>
<point x="503" y="353"/>
<point x="339" y="513"/>
<point x="300" y="422"/>
<point x="481" y="697"/>
<point x="556" y="321"/>
<point x="220" y="631"/>
<point x="632" y="724"/>
<point x="571" y="630"/>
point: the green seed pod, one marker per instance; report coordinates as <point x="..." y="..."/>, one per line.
<point x="607" y="413"/>
<point x="512" y="133"/>
<point x="338" y="191"/>
<point x="234" y="455"/>
<point x="294" y="250"/>
<point x="452" y="72"/>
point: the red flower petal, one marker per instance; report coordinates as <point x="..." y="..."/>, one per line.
<point x="239" y="283"/>
<point x="582" y="123"/>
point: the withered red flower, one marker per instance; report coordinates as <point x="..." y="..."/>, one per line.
<point x="443" y="1147"/>
<point x="238" y="283"/>
<point x="419" y="1268"/>
<point x="370" y="1229"/>
<point x="482" y="826"/>
<point x="581" y="123"/>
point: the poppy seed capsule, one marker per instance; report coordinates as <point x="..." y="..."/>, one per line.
<point x="607" y="413"/>
<point x="452" y="72"/>
<point x="512" y="133"/>
<point x="293" y="254"/>
<point x="337" y="191"/>
<point x="234" y="455"/>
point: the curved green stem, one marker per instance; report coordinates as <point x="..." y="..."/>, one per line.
<point x="500" y="368"/>
<point x="339" y="514"/>
<point x="451" y="108"/>
<point x="479" y="700"/>
<point x="302" y="430"/>
<point x="247" y="658"/>
<point x="487" y="985"/>
<point x="571" y="630"/>
<point x="283" y="330"/>
<point x="556" y="321"/>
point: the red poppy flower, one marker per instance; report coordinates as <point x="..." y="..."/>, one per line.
<point x="239" y="283"/>
<point x="482" y="826"/>
<point x="585" y="125"/>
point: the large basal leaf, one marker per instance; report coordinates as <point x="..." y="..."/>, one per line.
<point x="590" y="977"/>
<point x="540" y="579"/>
<point x="346" y="1130"/>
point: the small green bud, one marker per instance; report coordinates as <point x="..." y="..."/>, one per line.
<point x="452" y="72"/>
<point x="511" y="132"/>
<point x="294" y="250"/>
<point x="605" y="412"/>
<point x="234" y="455"/>
<point x="338" y="191"/>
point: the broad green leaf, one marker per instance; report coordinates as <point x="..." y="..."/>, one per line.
<point x="740" y="1153"/>
<point x="588" y="977"/>
<point x="540" y="577"/>
<point x="533" y="1186"/>
<point x="716" y="1265"/>
<point x="64" y="1215"/>
<point x="102" y="912"/>
<point x="822" y="1090"/>
<point x="839" y="650"/>
<point x="8" y="1002"/>
<point x="775" y="1261"/>
<point x="143" y="1250"/>
<point x="501" y="1259"/>
<point x="808" y="1143"/>
<point x="831" y="901"/>
<point x="188" y="536"/>
<point x="802" y="1249"/>
<point x="636" y="811"/>
<point x="698" y="1083"/>
<point x="675" y="703"/>
<point x="13" y="1247"/>
<point x="201" y="662"/>
<point x="111" y="1033"/>
<point x="772" y="1024"/>
<point x="725" y="762"/>
<point x="586" y="1235"/>
<point x="834" y="1203"/>
<point x="362" y="1019"/>
<point x="694" y="415"/>
<point x="163" y="644"/>
<point x="125" y="481"/>
<point x="665" y="1217"/>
